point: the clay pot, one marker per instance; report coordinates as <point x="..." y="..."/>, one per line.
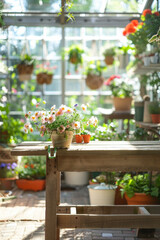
<point x="155" y="118"/>
<point x="44" y="78"/>
<point x="34" y="185"/>
<point x="122" y="104"/>
<point x="79" y="138"/>
<point x="109" y="60"/>
<point x="94" y="82"/>
<point x="62" y="140"/>
<point x="86" y="138"/>
<point x="25" y="71"/>
<point x="141" y="199"/>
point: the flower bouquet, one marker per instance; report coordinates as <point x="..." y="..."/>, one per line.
<point x="60" y="123"/>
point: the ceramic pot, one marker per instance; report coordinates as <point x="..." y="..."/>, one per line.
<point x="79" y="138"/>
<point x="76" y="178"/>
<point x="141" y="199"/>
<point x="155" y="118"/>
<point x="139" y="111"/>
<point x="34" y="185"/>
<point x="102" y="194"/>
<point x="62" y="140"/>
<point x="122" y="104"/>
<point x="86" y="138"/>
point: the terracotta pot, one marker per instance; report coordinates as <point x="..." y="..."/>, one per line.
<point x="73" y="60"/>
<point x="155" y="118"/>
<point x="142" y="199"/>
<point x="25" y="71"/>
<point x="79" y="138"/>
<point x="7" y="183"/>
<point x="92" y="183"/>
<point x="93" y="81"/>
<point x="109" y="60"/>
<point x="34" y="185"/>
<point x="44" y="78"/>
<point x="62" y="140"/>
<point x="86" y="138"/>
<point x="118" y="198"/>
<point x="122" y="104"/>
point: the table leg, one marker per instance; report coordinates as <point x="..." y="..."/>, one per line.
<point x="51" y="200"/>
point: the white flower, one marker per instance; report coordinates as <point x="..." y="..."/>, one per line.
<point x="76" y="125"/>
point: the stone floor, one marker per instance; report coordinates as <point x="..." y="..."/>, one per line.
<point x="23" y="218"/>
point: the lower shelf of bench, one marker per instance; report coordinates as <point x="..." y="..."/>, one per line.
<point x="108" y="216"/>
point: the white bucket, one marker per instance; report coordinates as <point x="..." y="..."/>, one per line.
<point x="76" y="178"/>
<point x="101" y="194"/>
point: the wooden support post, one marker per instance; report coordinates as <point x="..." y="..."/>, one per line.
<point x="145" y="233"/>
<point x="51" y="200"/>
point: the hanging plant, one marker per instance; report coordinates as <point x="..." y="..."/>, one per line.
<point x="75" y="53"/>
<point x="25" y="67"/>
<point x="44" y="73"/>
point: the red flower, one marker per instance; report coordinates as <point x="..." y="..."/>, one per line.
<point x="146" y="11"/>
<point x="107" y="83"/>
<point x="156" y="13"/>
<point x="32" y="165"/>
<point x="130" y="28"/>
<point x="124" y="32"/>
<point x="135" y="22"/>
<point x="26" y="166"/>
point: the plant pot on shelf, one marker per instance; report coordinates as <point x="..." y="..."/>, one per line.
<point x="139" y="111"/>
<point x="25" y="71"/>
<point x="141" y="199"/>
<point x="123" y="60"/>
<point x="76" y="178"/>
<point x="147" y="115"/>
<point x="119" y="200"/>
<point x="94" y="81"/>
<point x="155" y="118"/>
<point x="86" y="138"/>
<point x="44" y="78"/>
<point x="109" y="60"/>
<point x="102" y="194"/>
<point x="7" y="183"/>
<point x="122" y="104"/>
<point x="62" y="140"/>
<point x="79" y="138"/>
<point x="34" y="185"/>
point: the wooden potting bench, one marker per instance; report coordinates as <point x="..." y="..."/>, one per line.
<point x="95" y="156"/>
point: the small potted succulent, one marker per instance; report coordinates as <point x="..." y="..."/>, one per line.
<point x="109" y="55"/>
<point x="94" y="79"/>
<point x="44" y="73"/>
<point x="25" y="67"/>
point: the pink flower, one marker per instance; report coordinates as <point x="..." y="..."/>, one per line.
<point x="61" y="129"/>
<point x="53" y="108"/>
<point x="51" y="119"/>
<point x="107" y="83"/>
<point x="27" y="125"/>
<point x="59" y="112"/>
<point x="37" y="105"/>
<point x="43" y="128"/>
<point x="69" y="110"/>
<point x="14" y="90"/>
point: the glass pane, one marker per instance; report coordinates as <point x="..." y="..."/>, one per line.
<point x="15" y="32"/>
<point x="73" y="85"/>
<point x="92" y="31"/>
<point x="69" y="32"/>
<point x="71" y="42"/>
<point x="52" y="31"/>
<point x="53" y="48"/>
<point x="93" y="48"/>
<point x="54" y="86"/>
<point x="34" y="31"/>
<point x="35" y="47"/>
<point x="3" y="49"/>
<point x="109" y="31"/>
<point x="52" y="100"/>
<point x="17" y="47"/>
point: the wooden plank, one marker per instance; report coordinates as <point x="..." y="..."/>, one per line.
<point x="51" y="200"/>
<point x="83" y="209"/>
<point x="108" y="160"/>
<point x="108" y="221"/>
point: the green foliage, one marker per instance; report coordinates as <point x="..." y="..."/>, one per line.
<point x="32" y="168"/>
<point x="141" y="134"/>
<point x="2" y="24"/>
<point x="140" y="183"/>
<point x="110" y="52"/>
<point x="95" y="68"/>
<point x="8" y="170"/>
<point x="125" y="49"/>
<point x="75" y="53"/>
<point x="154" y="108"/>
<point x="155" y="37"/>
<point x="27" y="59"/>
<point x="105" y="177"/>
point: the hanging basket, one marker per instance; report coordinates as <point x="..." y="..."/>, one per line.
<point x="25" y="72"/>
<point x="109" y="60"/>
<point x="62" y="140"/>
<point x="44" y="78"/>
<point x="122" y="104"/>
<point x="94" y="82"/>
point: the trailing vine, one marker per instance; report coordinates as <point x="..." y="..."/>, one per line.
<point x="67" y="6"/>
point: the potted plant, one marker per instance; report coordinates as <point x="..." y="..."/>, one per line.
<point x="154" y="109"/>
<point x="109" y="55"/>
<point x="86" y="136"/>
<point x="140" y="189"/>
<point x="25" y="67"/>
<point x="8" y="174"/>
<point x="103" y="193"/>
<point x="31" y="173"/>
<point x="121" y="91"/>
<point x="60" y="123"/>
<point x="44" y="73"/>
<point x="124" y="56"/>
<point x="94" y="79"/>
<point x="75" y="53"/>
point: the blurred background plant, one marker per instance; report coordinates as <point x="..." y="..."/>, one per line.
<point x="8" y="170"/>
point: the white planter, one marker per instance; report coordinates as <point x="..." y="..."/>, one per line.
<point x="101" y="194"/>
<point x="76" y="178"/>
